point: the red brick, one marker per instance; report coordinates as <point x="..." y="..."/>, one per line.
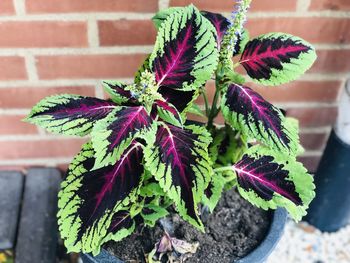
<point x="332" y="61"/>
<point x="63" y="167"/>
<point x="13" y="124"/>
<point x="43" y="34"/>
<point x="210" y="90"/>
<point x="126" y="32"/>
<point x="12" y="68"/>
<point x="310" y="162"/>
<point x="312" y="29"/>
<point x="314" y="117"/>
<point x="6" y="7"/>
<point x="228" y="6"/>
<point x="314" y="141"/>
<point x="337" y="5"/>
<point x="10" y="150"/>
<point x="74" y="6"/>
<point x="26" y="97"/>
<point x="89" y="66"/>
<point x="219" y="119"/>
<point x="301" y="91"/>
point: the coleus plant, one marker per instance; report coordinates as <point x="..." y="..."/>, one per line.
<point x="144" y="157"/>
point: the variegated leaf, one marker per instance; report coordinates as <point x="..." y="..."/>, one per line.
<point x="179" y="160"/>
<point x="69" y="114"/>
<point x="185" y="56"/>
<point x="89" y="199"/>
<point x="117" y="91"/>
<point x="112" y="135"/>
<point x="270" y="179"/>
<point x="256" y="118"/>
<point x="277" y="58"/>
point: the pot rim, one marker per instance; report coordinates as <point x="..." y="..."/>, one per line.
<point x="261" y="252"/>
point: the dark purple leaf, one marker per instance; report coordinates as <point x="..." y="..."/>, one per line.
<point x="120" y="220"/>
<point x="265" y="177"/>
<point x="179" y="163"/>
<point x="118" y="92"/>
<point x="113" y="134"/>
<point x="69" y="114"/>
<point x="175" y="66"/>
<point x="89" y="198"/>
<point x="180" y="99"/>
<point x="277" y="58"/>
<point x="220" y="23"/>
<point x="185" y="56"/>
<point x="256" y="118"/>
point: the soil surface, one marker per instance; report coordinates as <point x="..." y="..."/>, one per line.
<point x="234" y="229"/>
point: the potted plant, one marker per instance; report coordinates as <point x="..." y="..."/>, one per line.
<point x="147" y="171"/>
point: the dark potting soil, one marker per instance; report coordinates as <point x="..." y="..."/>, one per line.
<point x="234" y="229"/>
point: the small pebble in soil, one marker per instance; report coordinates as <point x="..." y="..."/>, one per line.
<point x="234" y="229"/>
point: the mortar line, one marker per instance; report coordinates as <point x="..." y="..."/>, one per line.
<point x="38" y="137"/>
<point x="56" y="83"/>
<point x="99" y="90"/>
<point x="163" y="4"/>
<point x="31" y="67"/>
<point x="48" y="162"/>
<point x="69" y="17"/>
<point x="93" y="50"/>
<point x="146" y="16"/>
<point x="12" y="112"/>
<point x="312" y="153"/>
<point x="20" y="8"/>
<point x="93" y="37"/>
<point x="303" y="5"/>
<point x="324" y="129"/>
<point x="310" y="105"/>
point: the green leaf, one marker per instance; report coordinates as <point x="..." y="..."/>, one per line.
<point x="151" y="190"/>
<point x="144" y="67"/>
<point x="168" y="113"/>
<point x="196" y="110"/>
<point x="162" y="15"/>
<point x="225" y="147"/>
<point x="242" y="42"/>
<point x="152" y="213"/>
<point x="269" y="179"/>
<point x="277" y="58"/>
<point x="213" y="192"/>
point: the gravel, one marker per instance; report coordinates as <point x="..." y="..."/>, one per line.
<point x="304" y="243"/>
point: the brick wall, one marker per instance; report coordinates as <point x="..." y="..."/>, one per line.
<point x="68" y="46"/>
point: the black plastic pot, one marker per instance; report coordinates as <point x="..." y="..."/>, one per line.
<point x="330" y="210"/>
<point x="258" y="255"/>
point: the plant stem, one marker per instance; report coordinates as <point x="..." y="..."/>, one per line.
<point x="207" y="110"/>
<point x="223" y="169"/>
<point x="214" y="108"/>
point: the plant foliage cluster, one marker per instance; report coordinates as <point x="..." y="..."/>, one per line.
<point x="144" y="156"/>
